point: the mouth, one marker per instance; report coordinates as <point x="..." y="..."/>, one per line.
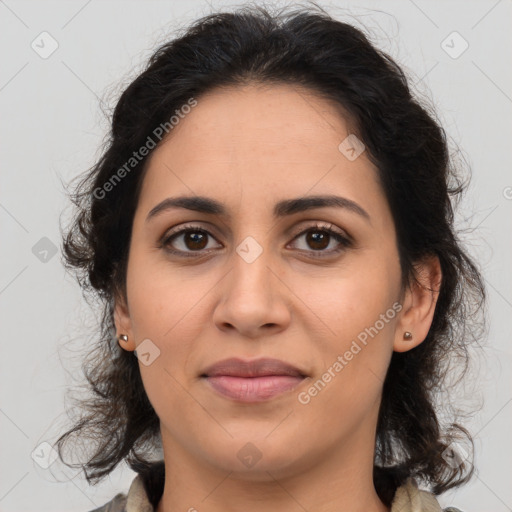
<point x="252" y="381"/>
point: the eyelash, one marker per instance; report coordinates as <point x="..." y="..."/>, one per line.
<point x="344" y="241"/>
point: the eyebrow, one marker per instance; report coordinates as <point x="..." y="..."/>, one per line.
<point x="281" y="209"/>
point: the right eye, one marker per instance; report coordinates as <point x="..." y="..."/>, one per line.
<point x="191" y="239"/>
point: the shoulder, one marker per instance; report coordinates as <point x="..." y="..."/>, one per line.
<point x="116" y="504"/>
<point x="144" y="493"/>
<point x="409" y="497"/>
<point x="136" y="500"/>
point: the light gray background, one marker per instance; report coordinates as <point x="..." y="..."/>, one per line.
<point x="51" y="130"/>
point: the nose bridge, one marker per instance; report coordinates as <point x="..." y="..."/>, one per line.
<point x="252" y="253"/>
<point x="251" y="262"/>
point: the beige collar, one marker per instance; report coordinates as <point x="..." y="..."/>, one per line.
<point x="408" y="498"/>
<point x="137" y="500"/>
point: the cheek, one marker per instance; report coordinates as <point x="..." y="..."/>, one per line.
<point x="355" y="353"/>
<point x="162" y="310"/>
<point x="165" y="307"/>
<point x="353" y="299"/>
<point x="163" y="304"/>
<point x="359" y="309"/>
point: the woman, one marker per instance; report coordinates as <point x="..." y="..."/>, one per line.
<point x="271" y="233"/>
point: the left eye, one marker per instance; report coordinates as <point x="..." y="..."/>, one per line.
<point x="194" y="239"/>
<point x="319" y="238"/>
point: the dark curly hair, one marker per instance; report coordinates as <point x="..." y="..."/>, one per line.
<point x="303" y="47"/>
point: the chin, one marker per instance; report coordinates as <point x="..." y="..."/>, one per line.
<point x="256" y="458"/>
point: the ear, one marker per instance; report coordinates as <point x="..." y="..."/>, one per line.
<point x="419" y="304"/>
<point x="123" y="324"/>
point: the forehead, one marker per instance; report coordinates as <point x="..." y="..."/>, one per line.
<point x="279" y="117"/>
<point x="262" y="143"/>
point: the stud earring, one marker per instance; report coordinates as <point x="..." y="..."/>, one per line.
<point x="407" y="336"/>
<point x="126" y="344"/>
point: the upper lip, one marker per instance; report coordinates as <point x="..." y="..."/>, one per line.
<point x="256" y="368"/>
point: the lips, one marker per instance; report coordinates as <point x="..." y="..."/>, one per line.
<point x="257" y="368"/>
<point x="252" y="381"/>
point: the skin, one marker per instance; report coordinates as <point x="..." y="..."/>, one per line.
<point x="249" y="147"/>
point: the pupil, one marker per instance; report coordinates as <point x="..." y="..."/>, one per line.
<point x="196" y="237"/>
<point x="317" y="237"/>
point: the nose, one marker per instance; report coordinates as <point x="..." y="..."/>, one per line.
<point x="253" y="299"/>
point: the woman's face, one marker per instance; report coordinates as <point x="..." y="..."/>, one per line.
<point x="252" y="283"/>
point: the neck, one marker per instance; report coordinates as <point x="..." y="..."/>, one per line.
<point x="337" y="481"/>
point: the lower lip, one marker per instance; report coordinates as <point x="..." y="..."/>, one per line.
<point x="253" y="389"/>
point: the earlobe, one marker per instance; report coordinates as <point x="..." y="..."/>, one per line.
<point x="122" y="324"/>
<point x="419" y="305"/>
